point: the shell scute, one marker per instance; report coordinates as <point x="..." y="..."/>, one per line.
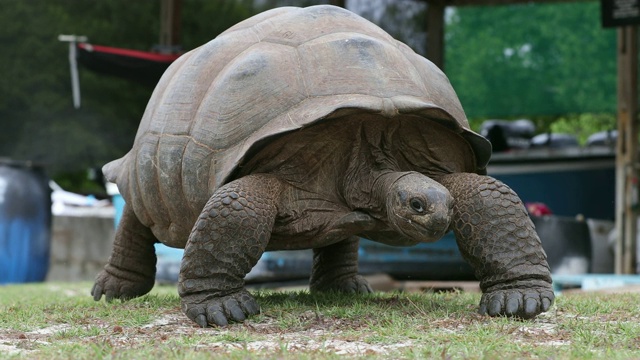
<point x="249" y="92"/>
<point x="351" y="63"/>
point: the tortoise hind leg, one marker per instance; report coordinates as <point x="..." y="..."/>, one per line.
<point x="498" y="239"/>
<point x="131" y="269"/>
<point x="335" y="268"/>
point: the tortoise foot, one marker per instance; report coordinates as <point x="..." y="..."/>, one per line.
<point x="352" y="285"/>
<point x="523" y="303"/>
<point x="205" y="310"/>
<point x="123" y="287"/>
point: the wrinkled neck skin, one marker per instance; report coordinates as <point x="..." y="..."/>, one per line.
<point x="368" y="179"/>
<point x="372" y="169"/>
<point x="382" y="184"/>
<point x="366" y="184"/>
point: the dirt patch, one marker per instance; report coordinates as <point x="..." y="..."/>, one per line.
<point x="314" y="334"/>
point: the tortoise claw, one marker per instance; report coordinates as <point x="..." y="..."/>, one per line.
<point x="220" y="311"/>
<point x="520" y="303"/>
<point x="123" y="288"/>
<point x="201" y="320"/>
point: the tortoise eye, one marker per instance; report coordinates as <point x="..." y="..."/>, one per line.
<point x="417" y="205"/>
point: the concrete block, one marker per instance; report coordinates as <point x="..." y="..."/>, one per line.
<point x="80" y="245"/>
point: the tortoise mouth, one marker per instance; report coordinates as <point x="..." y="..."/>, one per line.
<point x="433" y="229"/>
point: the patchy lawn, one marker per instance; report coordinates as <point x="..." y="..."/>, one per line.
<point x="61" y="321"/>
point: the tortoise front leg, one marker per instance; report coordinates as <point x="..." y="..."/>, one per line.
<point x="335" y="268"/>
<point x="227" y="240"/>
<point x="496" y="236"/>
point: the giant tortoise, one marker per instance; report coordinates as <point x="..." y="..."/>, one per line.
<point x="310" y="128"/>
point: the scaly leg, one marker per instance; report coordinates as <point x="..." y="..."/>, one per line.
<point x="227" y="240"/>
<point x="131" y="269"/>
<point x="335" y="268"/>
<point x="498" y="239"/>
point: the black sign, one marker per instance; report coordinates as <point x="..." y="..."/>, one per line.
<point x="620" y="12"/>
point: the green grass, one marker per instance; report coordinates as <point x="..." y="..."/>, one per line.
<point x="61" y="321"/>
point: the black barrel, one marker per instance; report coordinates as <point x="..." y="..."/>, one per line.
<point x="25" y="222"/>
<point x="567" y="242"/>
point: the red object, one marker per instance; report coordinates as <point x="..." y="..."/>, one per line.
<point x="140" y="66"/>
<point x="538" y="209"/>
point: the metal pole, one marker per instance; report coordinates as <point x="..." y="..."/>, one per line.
<point x="73" y="65"/>
<point x="75" y="83"/>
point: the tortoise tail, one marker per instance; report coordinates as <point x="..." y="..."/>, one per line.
<point x="113" y="170"/>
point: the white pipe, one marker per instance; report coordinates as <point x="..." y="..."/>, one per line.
<point x="73" y="65"/>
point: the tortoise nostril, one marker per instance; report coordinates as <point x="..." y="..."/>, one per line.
<point x="440" y="221"/>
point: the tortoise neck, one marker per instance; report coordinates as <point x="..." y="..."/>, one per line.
<point x="371" y="195"/>
<point x="383" y="183"/>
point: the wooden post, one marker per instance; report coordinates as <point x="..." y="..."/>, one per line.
<point x="435" y="32"/>
<point x="170" y="25"/>
<point x="627" y="158"/>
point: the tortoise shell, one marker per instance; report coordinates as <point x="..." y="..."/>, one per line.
<point x="276" y="72"/>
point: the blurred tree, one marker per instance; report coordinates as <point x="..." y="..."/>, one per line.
<point x="35" y="96"/>
<point x="531" y="59"/>
<point x="538" y="61"/>
<point x="584" y="125"/>
<point x="504" y="61"/>
<point x="405" y="20"/>
<point x="37" y="119"/>
<point x="202" y="20"/>
<point x="263" y="5"/>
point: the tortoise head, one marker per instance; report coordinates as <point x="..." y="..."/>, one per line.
<point x="419" y="207"/>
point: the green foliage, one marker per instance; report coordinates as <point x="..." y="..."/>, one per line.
<point x="531" y="59"/>
<point x="203" y="20"/>
<point x="35" y="96"/>
<point x="263" y="5"/>
<point x="504" y="61"/>
<point x="80" y="182"/>
<point x="538" y="61"/>
<point x="38" y="121"/>
<point x="583" y="125"/>
<point x="404" y="20"/>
